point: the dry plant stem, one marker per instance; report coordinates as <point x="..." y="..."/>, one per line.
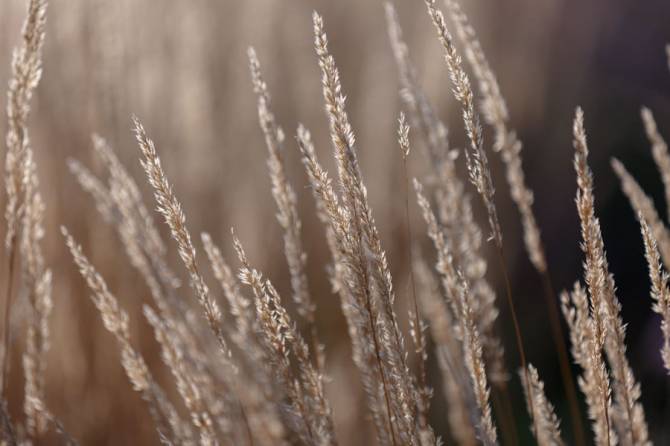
<point x="659" y="288"/>
<point x="418" y="334"/>
<point x="628" y="414"/>
<point x="566" y="371"/>
<point x="371" y="321"/>
<point x="502" y="403"/>
<point x="170" y="208"/>
<point x="330" y="213"/>
<point x="480" y="174"/>
<point x="517" y="329"/>
<point x="496" y="114"/>
<point x="410" y="258"/>
<point x="287" y="206"/>
<point x="7" y="317"/>
<point x="26" y="73"/>
<point x="550" y="431"/>
<point x="367" y="263"/>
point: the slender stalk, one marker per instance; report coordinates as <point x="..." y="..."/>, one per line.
<point x="503" y="405"/>
<point x="410" y="258"/>
<point x="566" y="372"/>
<point x="517" y="329"/>
<point x="7" y="315"/>
<point x="368" y="305"/>
<point x="417" y="335"/>
<point x="247" y="428"/>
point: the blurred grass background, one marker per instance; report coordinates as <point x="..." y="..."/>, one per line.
<point x="182" y="68"/>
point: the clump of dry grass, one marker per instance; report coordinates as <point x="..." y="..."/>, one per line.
<point x="659" y="287"/>
<point x="24" y="213"/>
<point x="626" y="415"/>
<point x="247" y="374"/>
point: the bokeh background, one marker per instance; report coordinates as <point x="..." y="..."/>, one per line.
<point x="182" y="68"/>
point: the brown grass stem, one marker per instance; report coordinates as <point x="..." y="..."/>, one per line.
<point x="517" y="328"/>
<point x="564" y="361"/>
<point x="7" y="316"/>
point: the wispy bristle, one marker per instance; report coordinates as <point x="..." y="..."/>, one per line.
<point x="627" y="413"/>
<point x="26" y="74"/>
<point x="494" y="110"/>
<point x="170" y="208"/>
<point x="116" y="322"/>
<point x="304" y="388"/>
<point x="659" y="287"/>
<point x="659" y="149"/>
<point x="643" y="204"/>
<point x="366" y="269"/>
<point x="461" y="302"/>
<point x="24" y="214"/>
<point x="478" y="165"/>
<point x="548" y="426"/>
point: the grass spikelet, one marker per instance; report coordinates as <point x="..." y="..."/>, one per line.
<point x="642" y="204"/>
<point x="506" y="142"/>
<point x="659" y="287"/>
<point x="37" y="280"/>
<point x="417" y="327"/>
<point x="116" y="322"/>
<point x="173" y="356"/>
<point x="453" y="206"/>
<point x="474" y="362"/>
<point x="283" y="194"/>
<point x="283" y="341"/>
<point x="457" y="292"/>
<point x="495" y="113"/>
<point x="587" y="339"/>
<point x="445" y="334"/>
<point x="170" y="208"/>
<point x="659" y="149"/>
<point x="287" y="205"/>
<point x="26" y="74"/>
<point x="19" y="167"/>
<point x="477" y="161"/>
<point x="627" y="413"/>
<point x="369" y="268"/>
<point x="548" y="425"/>
<point x="422" y="115"/>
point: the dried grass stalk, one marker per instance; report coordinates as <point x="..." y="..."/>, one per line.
<point x="453" y="205"/>
<point x="422" y="115"/>
<point x="627" y="413"/>
<point x="283" y="342"/>
<point x="659" y="287"/>
<point x="587" y="339"/>
<point x="495" y="112"/>
<point x="642" y="204"/>
<point x="283" y="194"/>
<point x="459" y="298"/>
<point x="116" y="321"/>
<point x="477" y="161"/>
<point x="21" y="188"/>
<point x="170" y="208"/>
<point x="417" y="326"/>
<point x="367" y="272"/>
<point x="548" y="425"/>
<point x="173" y="356"/>
<point x="26" y="74"/>
<point x="24" y="213"/>
<point x="37" y="280"/>
<point x="659" y="150"/>
<point x="445" y="335"/>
